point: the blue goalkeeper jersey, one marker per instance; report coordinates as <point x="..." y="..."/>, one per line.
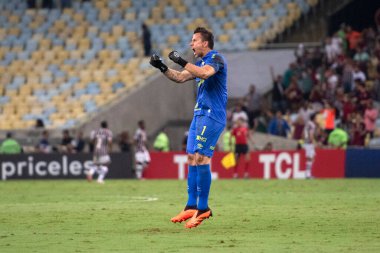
<point x="212" y="92"/>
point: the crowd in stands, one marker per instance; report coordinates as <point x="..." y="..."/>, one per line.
<point x="339" y="80"/>
<point x="78" y="144"/>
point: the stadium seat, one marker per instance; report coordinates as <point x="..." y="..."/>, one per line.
<point x="91" y="51"/>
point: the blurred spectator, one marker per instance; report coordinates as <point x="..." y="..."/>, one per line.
<point x="332" y="80"/>
<point x="278" y="126"/>
<point x="358" y="132"/>
<point x="268" y="146"/>
<point x="361" y="57"/>
<point x="306" y="83"/>
<point x="317" y="58"/>
<point x="369" y="37"/>
<point x="332" y="50"/>
<point x="361" y="95"/>
<point x="353" y="38"/>
<point x="342" y="35"/>
<point x="298" y="127"/>
<point x="370" y="115"/>
<point x="10" y="145"/>
<point x="125" y="142"/>
<point x="229" y="141"/>
<point x="293" y="95"/>
<point x="348" y="108"/>
<point x="306" y="111"/>
<point x="146" y="40"/>
<point x="263" y="122"/>
<point x="337" y="43"/>
<point x="44" y="144"/>
<point x="239" y="113"/>
<point x="288" y="75"/>
<point x="254" y="102"/>
<point x="348" y="77"/>
<point x="358" y="74"/>
<point x="66" y="142"/>
<point x="278" y="92"/>
<point x="39" y="124"/>
<point x="338" y="100"/>
<point x="316" y="95"/>
<point x="78" y="143"/>
<point x="161" y="143"/>
<point x="338" y="138"/>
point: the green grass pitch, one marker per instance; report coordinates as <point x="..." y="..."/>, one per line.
<point x="133" y="216"/>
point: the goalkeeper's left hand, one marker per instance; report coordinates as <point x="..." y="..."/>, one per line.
<point x="174" y="56"/>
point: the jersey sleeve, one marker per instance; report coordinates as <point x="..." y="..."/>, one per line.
<point x="216" y="61"/>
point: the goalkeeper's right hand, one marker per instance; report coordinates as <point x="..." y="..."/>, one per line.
<point x="156" y="62"/>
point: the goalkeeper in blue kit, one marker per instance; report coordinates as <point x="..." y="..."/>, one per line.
<point x="210" y="74"/>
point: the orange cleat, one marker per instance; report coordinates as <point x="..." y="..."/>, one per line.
<point x="197" y="219"/>
<point x="184" y="215"/>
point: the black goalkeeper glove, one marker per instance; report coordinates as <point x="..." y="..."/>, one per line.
<point x="174" y="56"/>
<point x="156" y="62"/>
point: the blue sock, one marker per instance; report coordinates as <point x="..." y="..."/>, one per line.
<point x="203" y="183"/>
<point x="192" y="187"/>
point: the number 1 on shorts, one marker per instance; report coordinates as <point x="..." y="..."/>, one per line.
<point x="204" y="129"/>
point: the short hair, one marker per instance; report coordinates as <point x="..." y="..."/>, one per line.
<point x="9" y="135"/>
<point x="206" y="36"/>
<point x="104" y="124"/>
<point x="141" y="123"/>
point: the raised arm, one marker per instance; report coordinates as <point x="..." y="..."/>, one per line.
<point x="178" y="76"/>
<point x="203" y="72"/>
<point x="174" y="75"/>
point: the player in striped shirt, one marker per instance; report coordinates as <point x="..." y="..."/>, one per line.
<point x="142" y="157"/>
<point x="309" y="144"/>
<point x="102" y="140"/>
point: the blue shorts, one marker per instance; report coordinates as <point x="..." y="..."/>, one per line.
<point x="203" y="135"/>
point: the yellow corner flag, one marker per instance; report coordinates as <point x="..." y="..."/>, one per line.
<point x="228" y="161"/>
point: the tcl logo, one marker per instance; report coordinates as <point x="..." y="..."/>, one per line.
<point x="283" y="164"/>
